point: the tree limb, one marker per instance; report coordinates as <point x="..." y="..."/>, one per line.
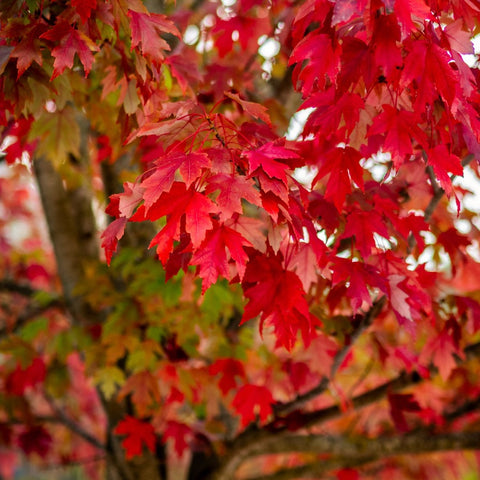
<point x="30" y="313"/>
<point x="7" y="285"/>
<point x="68" y="422"/>
<point x="63" y="233"/>
<point x="355" y="452"/>
<point x="253" y="439"/>
<point x="337" y="361"/>
<point x="314" y="469"/>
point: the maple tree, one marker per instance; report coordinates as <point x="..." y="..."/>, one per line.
<point x="195" y="290"/>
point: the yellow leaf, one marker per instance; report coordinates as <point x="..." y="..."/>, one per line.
<point x="58" y="134"/>
<point x="109" y="379"/>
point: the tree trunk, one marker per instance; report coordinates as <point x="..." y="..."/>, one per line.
<point x="72" y="231"/>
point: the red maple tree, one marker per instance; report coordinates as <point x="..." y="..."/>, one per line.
<point x="261" y="262"/>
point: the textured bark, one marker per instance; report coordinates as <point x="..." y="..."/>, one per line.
<point x="352" y="452"/>
<point x="264" y="441"/>
<point x="63" y="224"/>
<point x="73" y="234"/>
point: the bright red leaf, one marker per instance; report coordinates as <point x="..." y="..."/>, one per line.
<point x="84" y="8"/>
<point x="228" y="368"/>
<point x="147" y="29"/>
<point x="138" y="434"/>
<point x="71" y="42"/>
<point x="252" y="401"/>
<point x="18" y="381"/>
<point x="179" y="433"/>
<point x="212" y="258"/>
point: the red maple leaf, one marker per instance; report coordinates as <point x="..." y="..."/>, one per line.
<point x="266" y="158"/>
<point x="179" y="433"/>
<point x="28" y="49"/>
<point x="304" y="262"/>
<point x="111" y="235"/>
<point x="138" y="434"/>
<point x="428" y="65"/>
<point x="190" y="166"/>
<point x="386" y="36"/>
<point x="84" y="8"/>
<point x="211" y="257"/>
<point x="298" y="373"/>
<point x="249" y="29"/>
<point x="272" y="189"/>
<point x="147" y="29"/>
<point x="129" y="199"/>
<point x="19" y="131"/>
<point x="343" y="166"/>
<point x="410" y="11"/>
<point x="178" y="204"/>
<point x="35" y="440"/>
<point x="444" y="348"/>
<point x="233" y="188"/>
<point x="330" y="112"/>
<point x="357" y="61"/>
<point x="70" y="42"/>
<point x="228" y="368"/>
<point x="362" y="226"/>
<point x="23" y="378"/>
<point x="323" y="62"/>
<point x="277" y="294"/>
<point x="360" y="277"/>
<point x="400" y="127"/>
<point x="252" y="401"/>
<point x="254" y="109"/>
<point x="454" y="244"/>
<point x="399" y="404"/>
<point x="443" y="163"/>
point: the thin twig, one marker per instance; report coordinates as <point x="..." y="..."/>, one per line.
<point x="73" y="425"/>
<point x="438" y="193"/>
<point x="7" y="285"/>
<point x="29" y="314"/>
<point x="340" y="356"/>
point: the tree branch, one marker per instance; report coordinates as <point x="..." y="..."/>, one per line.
<point x="30" y="313"/>
<point x="356" y="452"/>
<point x="337" y="361"/>
<point x="7" y="285"/>
<point x="401" y="382"/>
<point x="73" y="426"/>
<point x="63" y="233"/>
<point x="248" y="443"/>
<point x="314" y="469"/>
<point x="438" y="193"/>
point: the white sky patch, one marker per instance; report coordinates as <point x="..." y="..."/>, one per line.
<point x="191" y="35"/>
<point x="269" y="47"/>
<point x="470" y="181"/>
<point x="297" y="123"/>
<point x="471" y="59"/>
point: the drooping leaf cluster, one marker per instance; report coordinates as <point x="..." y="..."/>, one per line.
<point x="355" y="228"/>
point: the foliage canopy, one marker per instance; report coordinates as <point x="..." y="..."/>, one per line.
<point x="221" y="297"/>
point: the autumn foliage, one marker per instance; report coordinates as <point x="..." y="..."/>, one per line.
<point x="249" y="252"/>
